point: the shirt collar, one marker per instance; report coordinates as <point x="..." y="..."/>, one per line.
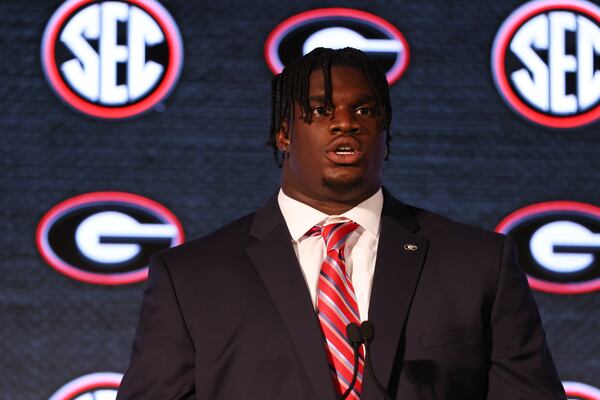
<point x="300" y="217"/>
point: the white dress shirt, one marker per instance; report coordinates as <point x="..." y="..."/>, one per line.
<point x="361" y="246"/>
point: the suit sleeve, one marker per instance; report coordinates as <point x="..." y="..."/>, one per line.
<point x="162" y="359"/>
<point x="521" y="364"/>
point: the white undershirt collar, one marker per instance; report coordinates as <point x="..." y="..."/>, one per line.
<point x="300" y="217"/>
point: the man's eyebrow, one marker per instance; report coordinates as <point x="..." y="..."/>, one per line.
<point x="365" y="98"/>
<point x="362" y="98"/>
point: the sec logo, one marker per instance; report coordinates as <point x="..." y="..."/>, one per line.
<point x="112" y="59"/>
<point x="545" y="62"/>
<point x="558" y="245"/>
<point x="581" y="391"/>
<point x="338" y="28"/>
<point x="106" y="238"/>
<point x="97" y="386"/>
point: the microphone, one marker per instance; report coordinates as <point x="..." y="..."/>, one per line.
<point x="355" y="338"/>
<point x="367" y="330"/>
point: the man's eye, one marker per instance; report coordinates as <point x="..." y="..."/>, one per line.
<point x="364" y="111"/>
<point x="320" y="110"/>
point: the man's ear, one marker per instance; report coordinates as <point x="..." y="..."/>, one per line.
<point x="283" y="136"/>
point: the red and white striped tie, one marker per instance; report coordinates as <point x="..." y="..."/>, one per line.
<point x="337" y="307"/>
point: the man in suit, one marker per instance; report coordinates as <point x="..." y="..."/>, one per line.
<point x="256" y="309"/>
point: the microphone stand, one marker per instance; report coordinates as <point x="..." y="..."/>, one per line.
<point x="367" y="330"/>
<point x="355" y="338"/>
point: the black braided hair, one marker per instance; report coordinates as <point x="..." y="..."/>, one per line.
<point x="292" y="86"/>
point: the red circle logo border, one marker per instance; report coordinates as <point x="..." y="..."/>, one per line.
<point x="288" y="25"/>
<point x="173" y="37"/>
<point x="506" y="32"/>
<point x="87" y="199"/>
<point x="531" y="211"/>
<point x="87" y="383"/>
<point x="581" y="390"/>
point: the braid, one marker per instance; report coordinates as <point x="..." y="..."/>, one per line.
<point x="293" y="83"/>
<point x="301" y="96"/>
<point x="326" y="67"/>
<point x="372" y="76"/>
<point x="275" y="114"/>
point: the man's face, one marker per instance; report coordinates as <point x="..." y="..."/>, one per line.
<point x="338" y="155"/>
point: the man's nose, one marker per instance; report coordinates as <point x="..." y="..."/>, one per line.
<point x="344" y="121"/>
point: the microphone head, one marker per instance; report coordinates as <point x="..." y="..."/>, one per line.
<point x="367" y="330"/>
<point x="354" y="335"/>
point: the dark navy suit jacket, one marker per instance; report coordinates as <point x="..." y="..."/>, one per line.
<point x="229" y="316"/>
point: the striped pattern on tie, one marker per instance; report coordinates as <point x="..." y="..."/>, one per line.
<point x="337" y="307"/>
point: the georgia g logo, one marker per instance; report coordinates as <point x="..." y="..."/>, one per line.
<point x="106" y="238"/>
<point x="581" y="391"/>
<point x="545" y="62"/>
<point x="97" y="386"/>
<point x="558" y="245"/>
<point x="337" y="28"/>
<point x="112" y="59"/>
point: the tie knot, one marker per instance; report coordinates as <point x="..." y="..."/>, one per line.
<point x="314" y="231"/>
<point x="334" y="234"/>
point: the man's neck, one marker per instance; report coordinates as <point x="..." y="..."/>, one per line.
<point x="333" y="205"/>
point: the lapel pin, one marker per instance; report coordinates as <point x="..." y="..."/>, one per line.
<point x="410" y="247"/>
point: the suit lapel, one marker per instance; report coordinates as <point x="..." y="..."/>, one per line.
<point x="400" y="258"/>
<point x="275" y="260"/>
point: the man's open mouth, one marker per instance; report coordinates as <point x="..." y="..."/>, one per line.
<point x="344" y="150"/>
<point x="344" y="154"/>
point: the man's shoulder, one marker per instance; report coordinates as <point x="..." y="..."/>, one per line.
<point x="233" y="235"/>
<point x="433" y="225"/>
<point x="460" y="248"/>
